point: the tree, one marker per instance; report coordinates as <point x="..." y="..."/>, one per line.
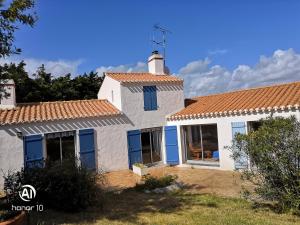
<point x="87" y="85"/>
<point x="274" y="153"/>
<point x="62" y="88"/>
<point x="43" y="84"/>
<point x="24" y="84"/>
<point x="11" y="16"/>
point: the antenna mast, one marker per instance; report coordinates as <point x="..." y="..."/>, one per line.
<point x="162" y="42"/>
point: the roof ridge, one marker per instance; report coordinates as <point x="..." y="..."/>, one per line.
<point x="62" y="101"/>
<point x="134" y="73"/>
<point x="57" y="110"/>
<point x="139" y="77"/>
<point x="247" y="89"/>
<point x="114" y="72"/>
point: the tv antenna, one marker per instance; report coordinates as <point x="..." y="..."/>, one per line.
<point x="162" y="42"/>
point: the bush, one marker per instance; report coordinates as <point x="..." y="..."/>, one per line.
<point x="63" y="186"/>
<point x="274" y="153"/>
<point x="150" y="182"/>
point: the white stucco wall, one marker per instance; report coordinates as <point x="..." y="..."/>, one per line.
<point x="11" y="154"/>
<point x="110" y="141"/>
<point x="170" y="99"/>
<point x="224" y="132"/>
<point x="111" y="90"/>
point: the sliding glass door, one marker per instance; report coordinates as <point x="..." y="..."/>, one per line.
<point x="201" y="142"/>
<point x="151" y="145"/>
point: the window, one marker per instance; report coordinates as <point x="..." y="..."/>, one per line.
<point x="60" y="146"/>
<point x="254" y="125"/>
<point x="202" y="142"/>
<point x="150" y="98"/>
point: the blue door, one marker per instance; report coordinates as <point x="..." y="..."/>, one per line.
<point x="134" y="147"/>
<point x="33" y="151"/>
<point x="239" y="127"/>
<point x="87" y="148"/>
<point x="171" y="145"/>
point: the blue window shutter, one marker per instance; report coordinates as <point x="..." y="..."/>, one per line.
<point x="87" y="148"/>
<point x="171" y="145"/>
<point x="239" y="127"/>
<point x="33" y="151"/>
<point x="153" y="98"/>
<point x="150" y="98"/>
<point x="134" y="147"/>
<point x="147" y="98"/>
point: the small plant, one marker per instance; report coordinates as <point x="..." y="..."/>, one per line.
<point x="150" y="182"/>
<point x="140" y="165"/>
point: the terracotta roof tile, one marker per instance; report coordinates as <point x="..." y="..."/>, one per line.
<point x="262" y="98"/>
<point x="49" y="111"/>
<point x="142" y="77"/>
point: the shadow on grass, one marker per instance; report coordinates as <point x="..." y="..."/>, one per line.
<point x="190" y="199"/>
<point x="129" y="206"/>
<point x="125" y="207"/>
<point x="268" y="206"/>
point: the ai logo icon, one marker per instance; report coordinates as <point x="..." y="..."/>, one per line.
<point x="27" y="193"/>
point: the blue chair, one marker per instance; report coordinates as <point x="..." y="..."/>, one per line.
<point x="216" y="154"/>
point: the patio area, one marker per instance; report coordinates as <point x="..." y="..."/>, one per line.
<point x="221" y="183"/>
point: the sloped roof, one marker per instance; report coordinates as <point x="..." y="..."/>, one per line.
<point x="142" y="77"/>
<point x="50" y="111"/>
<point x="283" y="96"/>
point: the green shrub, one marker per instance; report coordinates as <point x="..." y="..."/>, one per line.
<point x="274" y="153"/>
<point x="63" y="186"/>
<point x="150" y="182"/>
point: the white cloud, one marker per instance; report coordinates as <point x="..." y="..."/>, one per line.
<point x="56" y="68"/>
<point x="195" y="67"/>
<point x="200" y="76"/>
<point x="201" y="79"/>
<point x="138" y="67"/>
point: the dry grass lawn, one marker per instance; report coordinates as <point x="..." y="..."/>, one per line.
<point x="211" y="197"/>
<point x="131" y="207"/>
<point x="201" y="181"/>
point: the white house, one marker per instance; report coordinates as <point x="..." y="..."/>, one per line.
<point x="108" y="133"/>
<point x="138" y="117"/>
<point x="207" y="125"/>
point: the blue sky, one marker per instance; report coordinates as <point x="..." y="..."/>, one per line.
<point x="88" y="35"/>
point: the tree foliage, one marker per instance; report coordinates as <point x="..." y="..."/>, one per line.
<point x="274" y="153"/>
<point x="42" y="86"/>
<point x="10" y="17"/>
